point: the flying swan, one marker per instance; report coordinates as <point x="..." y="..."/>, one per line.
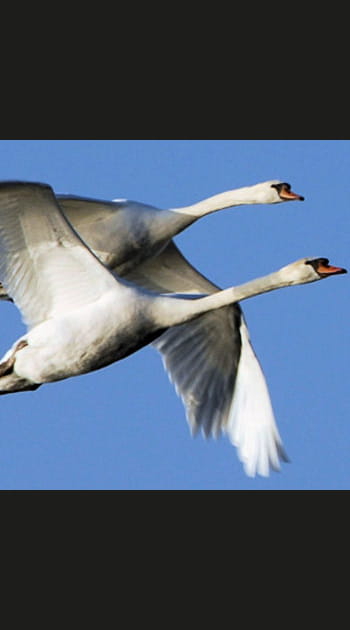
<point x="80" y="317"/>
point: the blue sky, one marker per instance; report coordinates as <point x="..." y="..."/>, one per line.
<point x="124" y="427"/>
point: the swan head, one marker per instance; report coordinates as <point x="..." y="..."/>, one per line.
<point x="309" y="270"/>
<point x="275" y="191"/>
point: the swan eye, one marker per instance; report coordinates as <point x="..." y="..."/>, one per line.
<point x="281" y="187"/>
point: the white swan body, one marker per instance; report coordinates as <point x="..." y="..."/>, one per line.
<point x="81" y="317"/>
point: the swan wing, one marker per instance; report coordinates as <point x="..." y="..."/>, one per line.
<point x="170" y="272"/>
<point x="214" y="369"/>
<point x="87" y="210"/>
<point x="45" y="266"/>
<point x="90" y="211"/>
<point x="111" y="229"/>
<point x="201" y="358"/>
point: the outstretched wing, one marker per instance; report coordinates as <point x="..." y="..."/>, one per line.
<point x="213" y="367"/>
<point x="114" y="230"/>
<point x="201" y="358"/>
<point x="44" y="265"/>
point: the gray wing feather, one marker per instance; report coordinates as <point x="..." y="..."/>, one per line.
<point x="44" y="264"/>
<point x="170" y="272"/>
<point x="201" y="358"/>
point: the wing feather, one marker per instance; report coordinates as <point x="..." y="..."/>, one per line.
<point x="214" y="369"/>
<point x="251" y="425"/>
<point x="170" y="272"/>
<point x="44" y="265"/>
<point x="201" y="358"/>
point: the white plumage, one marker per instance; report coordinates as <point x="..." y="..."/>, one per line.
<point x="81" y="317"/>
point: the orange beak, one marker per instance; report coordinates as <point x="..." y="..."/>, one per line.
<point x="288" y="195"/>
<point x="329" y="270"/>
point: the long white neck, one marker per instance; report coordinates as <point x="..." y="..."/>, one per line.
<point x="237" y="197"/>
<point x="173" y="311"/>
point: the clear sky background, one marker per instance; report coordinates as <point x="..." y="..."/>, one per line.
<point x="124" y="427"/>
